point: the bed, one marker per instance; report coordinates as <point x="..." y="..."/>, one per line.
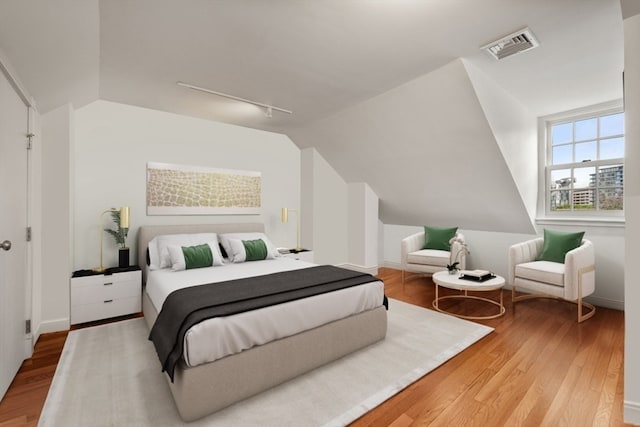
<point x="201" y="387"/>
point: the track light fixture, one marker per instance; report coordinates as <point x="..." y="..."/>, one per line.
<point x="268" y="108"/>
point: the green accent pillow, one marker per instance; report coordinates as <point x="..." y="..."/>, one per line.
<point x="197" y="256"/>
<point x="438" y="238"/>
<point x="255" y="249"/>
<point x="557" y="244"/>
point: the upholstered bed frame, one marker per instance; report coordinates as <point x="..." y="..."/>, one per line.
<point x="204" y="389"/>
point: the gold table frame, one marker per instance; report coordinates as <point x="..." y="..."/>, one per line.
<point x="452" y="281"/>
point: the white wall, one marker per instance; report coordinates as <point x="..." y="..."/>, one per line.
<point x="489" y="250"/>
<point x="514" y="128"/>
<point x="632" y="214"/>
<point x="114" y="144"/>
<point x="57" y="143"/>
<point x="363" y="227"/>
<point x="425" y="148"/>
<point x="325" y="202"/>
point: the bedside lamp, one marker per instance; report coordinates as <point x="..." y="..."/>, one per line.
<point x="124" y="224"/>
<point x="285" y="219"/>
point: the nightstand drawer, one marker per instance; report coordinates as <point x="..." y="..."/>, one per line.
<point x="102" y="296"/>
<point x="101" y="279"/>
<point x="105" y="309"/>
<point x="306" y="255"/>
<point x="98" y="291"/>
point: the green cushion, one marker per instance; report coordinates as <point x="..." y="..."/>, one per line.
<point x="438" y="238"/>
<point x="255" y="249"/>
<point x="557" y="244"/>
<point x="197" y="256"/>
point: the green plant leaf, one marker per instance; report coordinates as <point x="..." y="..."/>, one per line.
<point x="119" y="234"/>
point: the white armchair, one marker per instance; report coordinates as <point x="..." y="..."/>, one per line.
<point x="414" y="259"/>
<point x="571" y="281"/>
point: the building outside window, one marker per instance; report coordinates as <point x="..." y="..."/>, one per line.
<point x="585" y="164"/>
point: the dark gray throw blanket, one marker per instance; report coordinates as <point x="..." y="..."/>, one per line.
<point x="186" y="307"/>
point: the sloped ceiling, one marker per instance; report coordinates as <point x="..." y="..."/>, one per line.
<point x="436" y="159"/>
<point x="329" y="60"/>
<point x="312" y="57"/>
<point x="54" y="46"/>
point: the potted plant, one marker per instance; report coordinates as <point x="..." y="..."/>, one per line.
<point x="462" y="248"/>
<point x="120" y="236"/>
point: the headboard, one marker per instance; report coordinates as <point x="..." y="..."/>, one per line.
<point x="147" y="232"/>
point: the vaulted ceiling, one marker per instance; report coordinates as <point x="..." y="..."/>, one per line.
<point x="328" y="61"/>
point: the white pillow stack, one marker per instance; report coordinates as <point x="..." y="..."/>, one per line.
<point x="224" y="241"/>
<point x="238" y="251"/>
<point x="159" y="257"/>
<point x="178" y="262"/>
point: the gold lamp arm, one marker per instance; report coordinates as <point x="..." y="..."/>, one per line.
<point x="101" y="231"/>
<point x="285" y="219"/>
<point x="124" y="223"/>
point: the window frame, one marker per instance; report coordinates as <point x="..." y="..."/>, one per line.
<point x="546" y="151"/>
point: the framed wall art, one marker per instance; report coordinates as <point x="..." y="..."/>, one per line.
<point x="194" y="190"/>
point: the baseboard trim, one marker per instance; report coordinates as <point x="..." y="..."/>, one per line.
<point x="52" y="326"/>
<point x="28" y="346"/>
<point x="391" y="264"/>
<point x="632" y="412"/>
<point x="595" y="300"/>
<point x="606" y="303"/>
<point x="361" y="268"/>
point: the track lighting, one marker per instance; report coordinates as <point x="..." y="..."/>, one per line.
<point x="268" y="108"/>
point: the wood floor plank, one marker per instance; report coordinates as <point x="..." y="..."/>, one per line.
<point x="538" y="367"/>
<point x="558" y="349"/>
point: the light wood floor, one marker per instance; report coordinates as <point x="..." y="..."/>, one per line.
<point x="539" y="367"/>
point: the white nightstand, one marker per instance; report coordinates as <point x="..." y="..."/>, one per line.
<point x="303" y="255"/>
<point x="105" y="295"/>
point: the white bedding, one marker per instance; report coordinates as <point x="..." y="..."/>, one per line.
<point x="219" y="337"/>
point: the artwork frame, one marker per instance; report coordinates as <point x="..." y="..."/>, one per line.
<point x="197" y="190"/>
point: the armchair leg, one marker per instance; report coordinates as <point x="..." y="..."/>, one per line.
<point x="592" y="311"/>
<point x="581" y="317"/>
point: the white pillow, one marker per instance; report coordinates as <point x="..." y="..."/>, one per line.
<point x="159" y="254"/>
<point x="177" y="256"/>
<point x="238" y="252"/>
<point x="224" y="241"/>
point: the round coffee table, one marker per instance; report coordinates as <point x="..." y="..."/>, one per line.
<point x="453" y="281"/>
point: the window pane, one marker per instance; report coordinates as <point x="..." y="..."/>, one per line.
<point x="583" y="200"/>
<point x="612" y="125"/>
<point x="560" y="200"/>
<point x="611" y="176"/>
<point x="562" y="133"/>
<point x="611" y="198"/>
<point x="582" y="146"/>
<point x="612" y="148"/>
<point x="560" y="178"/>
<point x="587" y="129"/>
<point x="561" y="155"/>
<point x="584" y="177"/>
<point x="586" y="151"/>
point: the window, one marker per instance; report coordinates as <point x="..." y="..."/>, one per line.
<point x="585" y="164"/>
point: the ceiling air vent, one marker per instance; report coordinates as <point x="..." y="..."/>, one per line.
<point x="520" y="41"/>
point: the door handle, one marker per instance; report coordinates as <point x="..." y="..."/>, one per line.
<point x="6" y="245"/>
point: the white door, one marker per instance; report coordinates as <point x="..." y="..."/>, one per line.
<point x="13" y="223"/>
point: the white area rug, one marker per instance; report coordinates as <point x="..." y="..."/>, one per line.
<point x="110" y="376"/>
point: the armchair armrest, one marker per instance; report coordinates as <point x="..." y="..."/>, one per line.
<point x="523" y="252"/>
<point x="579" y="262"/>
<point x="410" y="244"/>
